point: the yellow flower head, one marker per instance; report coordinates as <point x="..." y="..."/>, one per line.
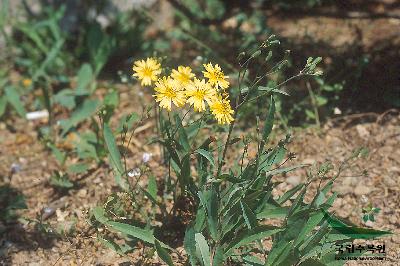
<point x="215" y="76"/>
<point x="198" y="93"/>
<point x="26" y="82"/>
<point x="183" y="75"/>
<point x="168" y="92"/>
<point x="147" y="71"/>
<point x="222" y="111"/>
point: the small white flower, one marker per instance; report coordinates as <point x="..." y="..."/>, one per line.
<point x="146" y="157"/>
<point x="199" y="58"/>
<point x="337" y="111"/>
<point x="15" y="168"/>
<point x="134" y="172"/>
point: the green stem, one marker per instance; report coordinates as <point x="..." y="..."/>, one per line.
<point x="314" y="104"/>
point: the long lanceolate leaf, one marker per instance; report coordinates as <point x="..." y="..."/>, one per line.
<point x="202" y="249"/>
<point x="285" y="197"/>
<point x="146" y="235"/>
<point x="250" y="236"/>
<point x="206" y="154"/>
<point x="162" y="253"/>
<point x="49" y="59"/>
<point x="190" y="245"/>
<point x="269" y="123"/>
<point x="209" y="201"/>
<point x="114" y="155"/>
<point x="248" y="215"/>
<point x="14" y="99"/>
<point x="84" y="111"/>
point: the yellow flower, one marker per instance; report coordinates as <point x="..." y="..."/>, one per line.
<point x="26" y="82"/>
<point x="168" y="92"/>
<point x="183" y="75"/>
<point x="222" y="111"/>
<point x="198" y="93"/>
<point x="215" y="76"/>
<point x="147" y="71"/>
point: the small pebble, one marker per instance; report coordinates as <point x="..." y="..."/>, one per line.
<point x="134" y="172"/>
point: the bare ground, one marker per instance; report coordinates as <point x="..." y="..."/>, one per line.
<point x="24" y="244"/>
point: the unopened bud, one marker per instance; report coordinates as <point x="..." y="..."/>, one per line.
<point x="256" y="54"/>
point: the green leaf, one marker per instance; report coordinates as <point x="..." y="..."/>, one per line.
<point x="99" y="213"/>
<point x="85" y="77"/>
<point x="128" y="120"/>
<point x="218" y="258"/>
<point x="58" y="154"/>
<point x="271" y="89"/>
<point x="285" y="170"/>
<point x="273" y="212"/>
<point x="184" y="177"/>
<point x="50" y="57"/>
<point x="3" y="105"/>
<point x="269" y="123"/>
<point x="112" y="148"/>
<point x="321" y="100"/>
<point x="84" y="111"/>
<point x="314" y="240"/>
<point x="311" y="262"/>
<point x="14" y="99"/>
<point x="78" y="168"/>
<point x="253" y="261"/>
<point x="182" y="138"/>
<point x="111" y="99"/>
<point x="203" y="249"/>
<point x="209" y="201"/>
<point x="189" y="244"/>
<point x="312" y="222"/>
<point x="142" y="234"/>
<point x="114" y="157"/>
<point x="163" y="254"/>
<point x="297" y="203"/>
<point x="152" y="186"/>
<point x="207" y="155"/>
<point x="61" y="180"/>
<point x="309" y="114"/>
<point x="249" y="236"/>
<point x="110" y="244"/>
<point x="249" y="217"/>
<point x="99" y="45"/>
<point x="321" y="196"/>
<point x="274" y="157"/>
<point x="66" y="98"/>
<point x="279" y="252"/>
<point x="200" y="220"/>
<point x="361" y="233"/>
<point x="285" y="197"/>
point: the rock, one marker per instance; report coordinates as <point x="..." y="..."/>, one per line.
<point x="293" y="180"/>
<point x="361" y="189"/>
<point x="362" y="131"/>
<point x="390" y="182"/>
<point x="369" y="223"/>
<point x="347" y="185"/>
<point x="349" y="181"/>
<point x="308" y="161"/>
<point x="342" y="190"/>
<point x="82" y="193"/>
<point x="61" y="215"/>
<point x="97" y="180"/>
